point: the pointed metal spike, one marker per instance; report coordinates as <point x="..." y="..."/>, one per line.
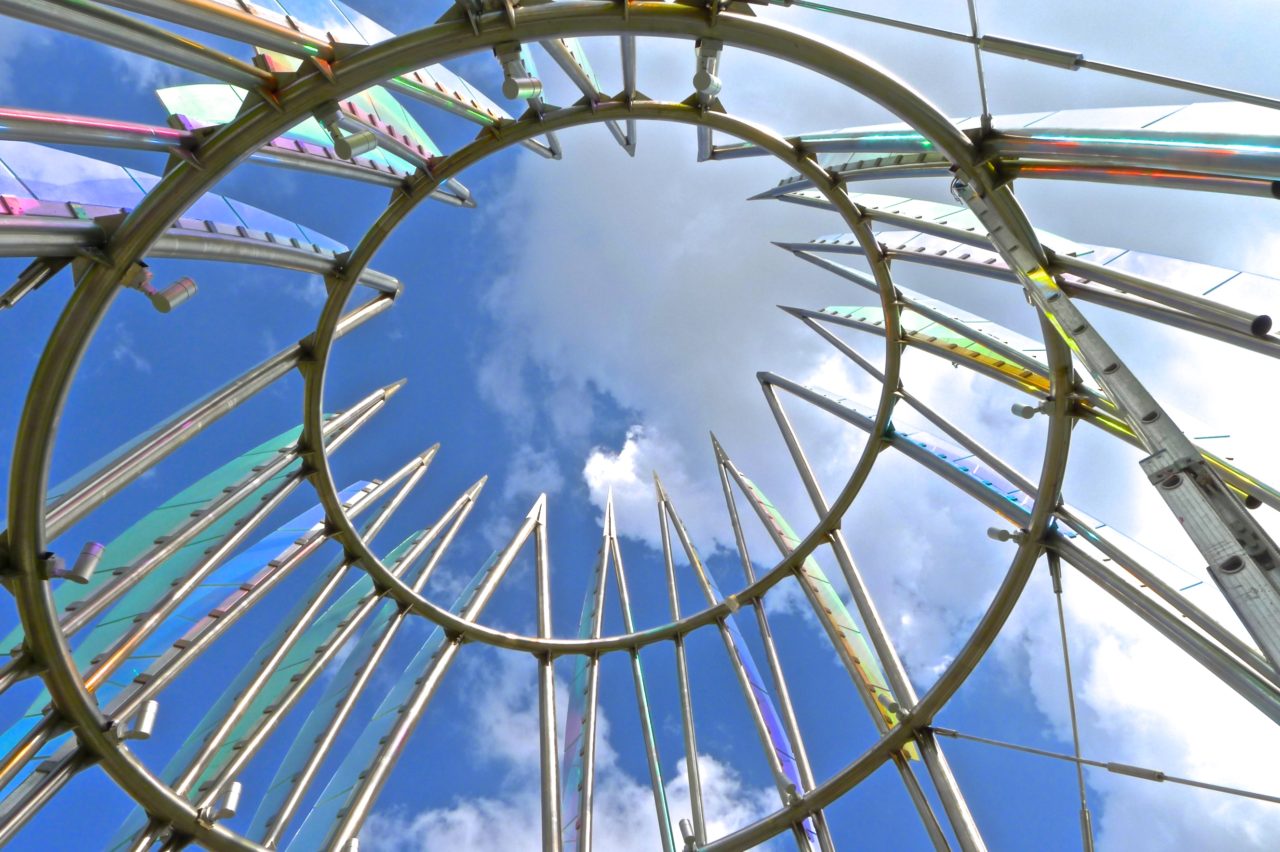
<point x="798" y="313"/>
<point x="662" y="492"/>
<point x="538" y="512"/>
<point x="430" y="453"/>
<point x="721" y="455"/>
<point x="391" y="389"/>
<point x="477" y="487"/>
<point x="610" y="529"/>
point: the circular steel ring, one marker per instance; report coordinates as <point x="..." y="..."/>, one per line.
<point x="224" y="149"/>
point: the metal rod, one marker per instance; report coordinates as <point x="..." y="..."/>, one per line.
<point x="1086" y="821"/>
<point x="337" y="430"/>
<point x="229" y="22"/>
<point x="581" y="820"/>
<point x="867" y="283"/>
<point x="563" y="56"/>
<point x="96" y="23"/>
<point x="642" y="696"/>
<point x="414" y="471"/>
<point x="1117" y="768"/>
<point x="785" y="707"/>
<point x="364" y="671"/>
<point x="854" y="666"/>
<point x="128" y="463"/>
<point x="1227" y="668"/>
<point x="204" y="757"/>
<point x="366" y="789"/>
<point x="1261" y="693"/>
<point x="1067" y="515"/>
<point x="682" y="679"/>
<point x="1045" y="56"/>
<point x="249" y="744"/>
<point x="977" y="61"/>
<point x="73" y="757"/>
<point x="734" y="653"/>
<point x="549" y="748"/>
<point x="1172" y="597"/>
<point x="1208" y="310"/>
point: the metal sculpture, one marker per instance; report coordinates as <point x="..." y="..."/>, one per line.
<point x="320" y="95"/>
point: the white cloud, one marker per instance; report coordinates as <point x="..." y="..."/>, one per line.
<point x="531" y="472"/>
<point x="143" y="72"/>
<point x="124" y="350"/>
<point x="661" y="298"/>
<point x="30" y="36"/>
<point x="311" y="292"/>
<point x="505" y="713"/>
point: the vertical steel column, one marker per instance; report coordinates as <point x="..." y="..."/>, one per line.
<point x="642" y="697"/>
<point x="585" y="759"/>
<point x="627" y="45"/>
<point x="338" y="714"/>
<point x="682" y="680"/>
<point x="953" y="802"/>
<point x="785" y="790"/>
<point x="1086" y="820"/>
<point x="366" y="790"/>
<point x="549" y="749"/>
<point x="785" y="706"/>
<point x="854" y="666"/>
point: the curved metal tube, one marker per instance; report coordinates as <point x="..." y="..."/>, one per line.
<point x="257" y="125"/>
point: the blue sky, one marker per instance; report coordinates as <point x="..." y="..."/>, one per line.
<point x="592" y="319"/>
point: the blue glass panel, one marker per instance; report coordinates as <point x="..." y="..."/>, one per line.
<point x="54" y="175"/>
<point x="274" y="546"/>
<point x="10" y="185"/>
<point x="323" y="816"/>
<point x="210" y="206"/>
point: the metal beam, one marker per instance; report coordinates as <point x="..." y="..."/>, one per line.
<point x="96" y="23"/>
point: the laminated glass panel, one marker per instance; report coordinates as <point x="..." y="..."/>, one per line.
<point x="393" y="114"/>
<point x="207" y="104"/>
<point x="140" y="599"/>
<point x="1106" y="118"/>
<point x="1220" y="117"/>
<point x="327" y="17"/>
<point x="319" y="719"/>
<point x="763" y="700"/>
<point x="10" y="185"/>
<point x="322" y="818"/>
<point x="831" y="610"/>
<point x="211" y="207"/>
<point x="203" y="103"/>
<point x="260" y="220"/>
<point x="54" y="175"/>
<point x="140" y="537"/>
<point x="370" y="30"/>
<point x="295" y="661"/>
<point x="575" y="717"/>
<point x="1181" y="275"/>
<point x="275" y="546"/>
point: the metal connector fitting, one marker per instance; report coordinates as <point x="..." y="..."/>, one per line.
<point x="517" y="81"/>
<point x="706" y="81"/>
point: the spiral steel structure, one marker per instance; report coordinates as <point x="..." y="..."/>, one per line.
<point x="319" y="98"/>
